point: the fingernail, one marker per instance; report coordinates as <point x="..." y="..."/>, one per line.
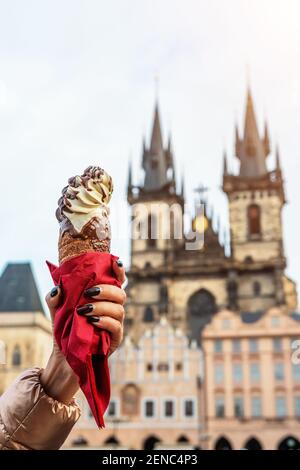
<point x="54" y="292"/>
<point x="93" y="319"/>
<point x="85" y="309"/>
<point x="92" y="292"/>
<point x="119" y="263"/>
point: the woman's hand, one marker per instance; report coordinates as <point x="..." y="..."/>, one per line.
<point x="104" y="310"/>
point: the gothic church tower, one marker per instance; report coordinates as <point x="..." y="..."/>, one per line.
<point x="156" y="207"/>
<point x="256" y="198"/>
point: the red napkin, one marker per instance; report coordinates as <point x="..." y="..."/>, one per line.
<point x="85" y="347"/>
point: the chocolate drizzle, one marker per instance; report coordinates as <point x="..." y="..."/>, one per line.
<point x="84" y="195"/>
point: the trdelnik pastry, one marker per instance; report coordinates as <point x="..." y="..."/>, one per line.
<point x="83" y="214"/>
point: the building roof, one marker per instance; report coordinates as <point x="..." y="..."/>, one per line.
<point x="251" y="317"/>
<point x="18" y="289"/>
<point x="296" y="316"/>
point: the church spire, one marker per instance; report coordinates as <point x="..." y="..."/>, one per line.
<point x="182" y="185"/>
<point x="278" y="165"/>
<point x="267" y="139"/>
<point x="225" y="164"/>
<point x="251" y="149"/>
<point x="158" y="160"/>
<point x="129" y="185"/>
<point x="250" y="127"/>
<point x="156" y="145"/>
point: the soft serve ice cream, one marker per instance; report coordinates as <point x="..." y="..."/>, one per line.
<point x="83" y="214"/>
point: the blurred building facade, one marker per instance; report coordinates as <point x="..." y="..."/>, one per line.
<point x="25" y="331"/>
<point x="252" y="380"/>
<point x="207" y="357"/>
<point x="241" y="303"/>
<point x="156" y="394"/>
<point x="196" y="288"/>
<point x="190" y="285"/>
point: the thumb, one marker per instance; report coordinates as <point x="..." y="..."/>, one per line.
<point x="119" y="271"/>
<point x="53" y="299"/>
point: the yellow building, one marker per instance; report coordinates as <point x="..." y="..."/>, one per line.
<point x="25" y="331"/>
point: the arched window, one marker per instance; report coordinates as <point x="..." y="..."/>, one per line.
<point x="150" y="442"/>
<point x="152" y="231"/>
<point x="256" y="288"/>
<point x="130" y="396"/>
<point x="253" y="444"/>
<point x="112" y="440"/>
<point x="289" y="443"/>
<point x="183" y="439"/>
<point x="223" y="444"/>
<point x="80" y="441"/>
<point x="148" y="315"/>
<point x="201" y="307"/>
<point x="254" y="226"/>
<point x="16" y="357"/>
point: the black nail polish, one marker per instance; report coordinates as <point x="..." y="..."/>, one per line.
<point x="54" y="292"/>
<point x="92" y="292"/>
<point x="93" y="319"/>
<point x="119" y="263"/>
<point x="88" y="308"/>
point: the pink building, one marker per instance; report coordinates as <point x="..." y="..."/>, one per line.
<point x="252" y="380"/>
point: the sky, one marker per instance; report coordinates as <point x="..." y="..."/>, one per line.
<point x="77" y="87"/>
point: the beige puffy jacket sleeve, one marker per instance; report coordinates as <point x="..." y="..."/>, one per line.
<point x="30" y="419"/>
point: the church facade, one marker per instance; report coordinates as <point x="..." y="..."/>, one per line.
<point x="190" y="285"/>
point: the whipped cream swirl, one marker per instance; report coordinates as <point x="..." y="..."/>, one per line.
<point x="84" y="201"/>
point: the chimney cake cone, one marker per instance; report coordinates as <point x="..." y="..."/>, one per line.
<point x="83" y="214"/>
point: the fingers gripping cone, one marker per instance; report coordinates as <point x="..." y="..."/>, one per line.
<point x="85" y="261"/>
